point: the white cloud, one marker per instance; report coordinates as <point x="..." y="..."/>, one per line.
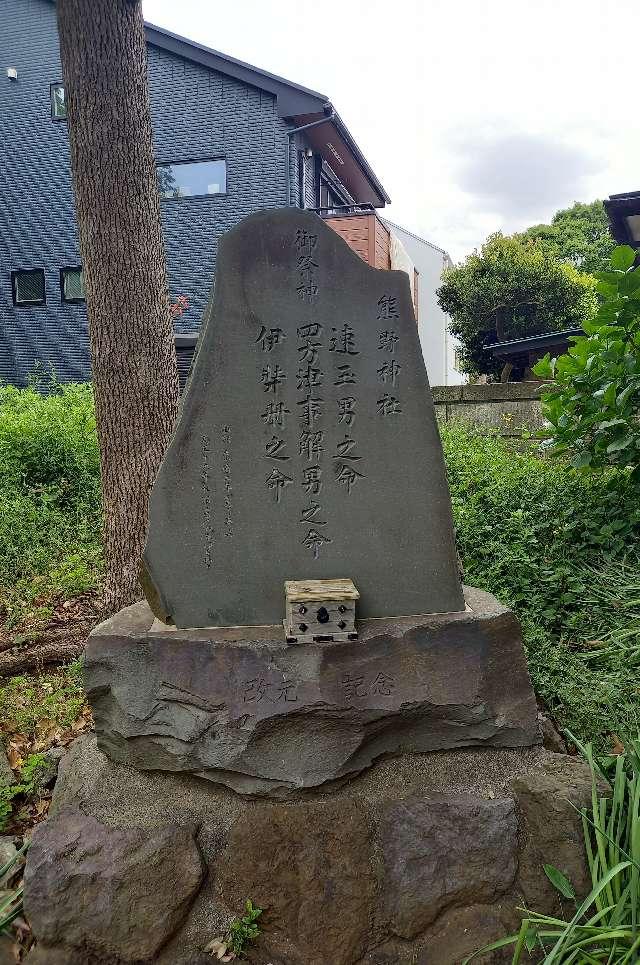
<point x="475" y="116"/>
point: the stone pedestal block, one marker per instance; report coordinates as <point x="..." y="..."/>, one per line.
<point x="243" y="708"/>
<point x="423" y="858"/>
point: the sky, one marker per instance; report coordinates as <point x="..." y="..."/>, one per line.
<point x="476" y="115"/>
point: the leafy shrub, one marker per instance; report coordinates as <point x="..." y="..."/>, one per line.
<point x="50" y="513"/>
<point x="546" y="538"/>
<point x="593" y="407"/>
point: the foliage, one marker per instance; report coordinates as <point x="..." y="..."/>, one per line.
<point x="244" y="930"/>
<point x="606" y="925"/>
<point x="29" y="784"/>
<point x="35" y="706"/>
<point x="50" y="515"/>
<point x="511" y="289"/>
<point x="579" y="235"/>
<point x="37" y="712"/>
<point x="593" y="405"/>
<point x="11" y="898"/>
<point x="548" y="540"/>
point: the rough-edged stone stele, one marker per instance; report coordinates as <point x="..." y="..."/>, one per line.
<point x="307" y="445"/>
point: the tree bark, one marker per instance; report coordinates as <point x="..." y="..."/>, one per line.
<point x="104" y="61"/>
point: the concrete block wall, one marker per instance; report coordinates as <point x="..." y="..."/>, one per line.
<point x="509" y="407"/>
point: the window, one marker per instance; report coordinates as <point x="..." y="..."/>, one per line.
<point x="28" y="287"/>
<point x="71" y="285"/>
<point x="192" y="179"/>
<point x="58" y="103"/>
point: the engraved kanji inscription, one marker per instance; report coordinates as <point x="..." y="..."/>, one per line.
<point x="314" y="541"/>
<point x="343" y="341"/>
<point x="311" y="480"/>
<point x="389" y="372"/>
<point x="268" y="337"/>
<point x="347" y="475"/>
<point x="383" y="685"/>
<point x="255" y="690"/>
<point x="274" y="413"/>
<point x="275" y="449"/>
<point x="387" y="341"/>
<point x="388" y="405"/>
<point x="347" y="410"/>
<point x="344" y="449"/>
<point x="344" y="375"/>
<point x="309" y="377"/>
<point x="276" y="482"/>
<point x="310" y="513"/>
<point x="311" y="410"/>
<point x="353" y="686"/>
<point x="272" y="377"/>
<point x="388" y="307"/>
<point x="311" y="444"/>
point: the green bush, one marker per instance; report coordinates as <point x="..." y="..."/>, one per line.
<point x="547" y="539"/>
<point x="50" y="515"/>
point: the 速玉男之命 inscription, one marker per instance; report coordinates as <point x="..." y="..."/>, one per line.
<point x="307" y="445"/>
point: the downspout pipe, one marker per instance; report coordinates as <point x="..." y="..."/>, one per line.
<point x="290" y="134"/>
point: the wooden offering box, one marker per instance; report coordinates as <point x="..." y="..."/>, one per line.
<point x="318" y="610"/>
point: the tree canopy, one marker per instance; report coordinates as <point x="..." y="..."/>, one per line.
<point x="511" y="288"/>
<point x="579" y="235"/>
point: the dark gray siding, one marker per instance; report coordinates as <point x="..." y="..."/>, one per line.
<point x="37" y="221"/>
<point x="197" y="114"/>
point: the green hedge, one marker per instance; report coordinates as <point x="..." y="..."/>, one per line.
<point x="559" y="546"/>
<point x="50" y="521"/>
<point x="562" y="548"/>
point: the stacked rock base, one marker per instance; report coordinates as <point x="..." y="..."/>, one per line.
<point x="422" y="859"/>
<point x="241" y="707"/>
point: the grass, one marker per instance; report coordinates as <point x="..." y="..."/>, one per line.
<point x="605" y="927"/>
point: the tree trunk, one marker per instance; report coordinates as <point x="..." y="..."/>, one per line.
<point x="104" y="60"/>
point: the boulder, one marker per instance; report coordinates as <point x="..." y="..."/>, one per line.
<point x="443" y="851"/>
<point x="422" y="858"/>
<point x="552" y="831"/>
<point x="241" y="707"/>
<point x="116" y="893"/>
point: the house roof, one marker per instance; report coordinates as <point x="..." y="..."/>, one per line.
<point x="531" y="342"/>
<point x="295" y="103"/>
<point x="619" y="207"/>
<point x="292" y="98"/>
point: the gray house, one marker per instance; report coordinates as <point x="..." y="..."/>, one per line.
<point x="230" y="139"/>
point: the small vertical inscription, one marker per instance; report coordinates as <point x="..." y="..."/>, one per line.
<point x="226" y="477"/>
<point x="388" y="404"/>
<point x="207" y="512"/>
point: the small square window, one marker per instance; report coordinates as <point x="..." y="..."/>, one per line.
<point x="58" y="102"/>
<point x="28" y="287"/>
<point x="71" y="285"/>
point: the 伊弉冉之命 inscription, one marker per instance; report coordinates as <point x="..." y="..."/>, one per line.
<point x="307" y="444"/>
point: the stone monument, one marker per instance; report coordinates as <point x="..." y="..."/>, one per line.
<point x="316" y="776"/>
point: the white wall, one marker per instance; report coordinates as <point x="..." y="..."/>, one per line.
<point x="438" y="346"/>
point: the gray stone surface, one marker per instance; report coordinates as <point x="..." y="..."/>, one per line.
<point x="245" y="709"/>
<point x="318" y="866"/>
<point x="445" y="851"/>
<point x="119" y="894"/>
<point x="307" y="445"/>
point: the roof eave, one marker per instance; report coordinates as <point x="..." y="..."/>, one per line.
<point x="291" y="98"/>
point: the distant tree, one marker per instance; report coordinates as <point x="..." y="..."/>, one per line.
<point x="103" y="51"/>
<point x="579" y="235"/>
<point x="592" y="407"/>
<point x="510" y="289"/>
